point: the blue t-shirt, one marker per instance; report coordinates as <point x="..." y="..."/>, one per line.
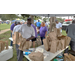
<point x="38" y="24"/>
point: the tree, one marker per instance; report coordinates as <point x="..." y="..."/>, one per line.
<point x="12" y="16"/>
<point x="8" y="16"/>
<point x="25" y="15"/>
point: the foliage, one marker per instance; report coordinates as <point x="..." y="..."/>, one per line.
<point x="25" y="16"/>
<point x="8" y="16"/>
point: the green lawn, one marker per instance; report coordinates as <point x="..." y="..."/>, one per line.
<point x="5" y="37"/>
<point x="4" y="26"/>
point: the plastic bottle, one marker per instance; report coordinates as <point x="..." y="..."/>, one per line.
<point x="59" y="59"/>
<point x="26" y="53"/>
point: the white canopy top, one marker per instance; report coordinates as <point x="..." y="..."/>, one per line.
<point x="53" y="15"/>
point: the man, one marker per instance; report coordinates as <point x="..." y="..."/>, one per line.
<point x="71" y="33"/>
<point x="11" y="28"/>
<point x="46" y="24"/>
<point x="38" y="24"/>
<point x="27" y="32"/>
<point x="58" y="25"/>
<point x="15" y="30"/>
<point x="33" y="40"/>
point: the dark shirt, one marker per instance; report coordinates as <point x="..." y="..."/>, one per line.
<point x="71" y="31"/>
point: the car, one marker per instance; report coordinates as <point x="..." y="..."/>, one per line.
<point x="65" y="24"/>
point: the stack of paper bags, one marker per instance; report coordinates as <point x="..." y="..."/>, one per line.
<point x="23" y="44"/>
<point x="3" y="45"/>
<point x="69" y="57"/>
<point x="55" y="41"/>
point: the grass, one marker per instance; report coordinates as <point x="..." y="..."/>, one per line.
<point x="5" y="37"/>
<point x="4" y="26"/>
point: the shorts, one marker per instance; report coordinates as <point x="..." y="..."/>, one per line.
<point x="34" y="39"/>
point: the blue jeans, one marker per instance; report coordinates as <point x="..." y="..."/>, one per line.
<point x="42" y="39"/>
<point x="11" y="43"/>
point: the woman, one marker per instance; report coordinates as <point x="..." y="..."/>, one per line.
<point x="43" y="31"/>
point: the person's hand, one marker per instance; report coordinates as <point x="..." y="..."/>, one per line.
<point x="27" y="40"/>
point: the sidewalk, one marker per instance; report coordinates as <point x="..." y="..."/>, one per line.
<point x="3" y="31"/>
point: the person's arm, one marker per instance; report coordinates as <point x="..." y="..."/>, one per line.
<point x="46" y="32"/>
<point x="60" y="26"/>
<point x="32" y="37"/>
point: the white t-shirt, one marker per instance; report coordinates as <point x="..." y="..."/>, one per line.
<point x="16" y="29"/>
<point x="59" y="25"/>
<point x="26" y="31"/>
<point x="46" y="24"/>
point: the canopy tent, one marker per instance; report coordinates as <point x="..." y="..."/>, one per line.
<point x="52" y="15"/>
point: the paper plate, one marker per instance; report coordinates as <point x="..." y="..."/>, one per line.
<point x="39" y="50"/>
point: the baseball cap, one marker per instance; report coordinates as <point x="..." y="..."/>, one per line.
<point x="56" y="20"/>
<point x="28" y="19"/>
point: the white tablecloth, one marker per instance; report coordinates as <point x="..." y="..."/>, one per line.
<point x="51" y="55"/>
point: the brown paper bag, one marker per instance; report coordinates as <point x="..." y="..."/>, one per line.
<point x="68" y="39"/>
<point x="22" y="44"/>
<point x="57" y="31"/>
<point x="30" y="44"/>
<point x="63" y="38"/>
<point x="2" y="45"/>
<point x="48" y="40"/>
<point x="72" y="57"/>
<point x="6" y="42"/>
<point x="20" y="38"/>
<point x="46" y="45"/>
<point x="52" y="36"/>
<point x="62" y="41"/>
<point x="36" y="56"/>
<point x="53" y="47"/>
<point x="15" y="38"/>
<point x="58" y="45"/>
<point x="67" y="58"/>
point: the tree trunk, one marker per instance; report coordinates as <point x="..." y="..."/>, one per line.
<point x="32" y="17"/>
<point x="52" y="19"/>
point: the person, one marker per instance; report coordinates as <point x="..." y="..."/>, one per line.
<point x="38" y="30"/>
<point x="27" y="32"/>
<point x="43" y="31"/>
<point x="58" y="25"/>
<point x="33" y="40"/>
<point x="11" y="28"/>
<point x="15" y="30"/>
<point x="70" y="30"/>
<point x="38" y="24"/>
<point x="21" y="22"/>
<point x="46" y="26"/>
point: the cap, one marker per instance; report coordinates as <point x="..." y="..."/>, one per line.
<point x="56" y="20"/>
<point x="29" y="19"/>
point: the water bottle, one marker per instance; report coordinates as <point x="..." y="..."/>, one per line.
<point x="26" y="53"/>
